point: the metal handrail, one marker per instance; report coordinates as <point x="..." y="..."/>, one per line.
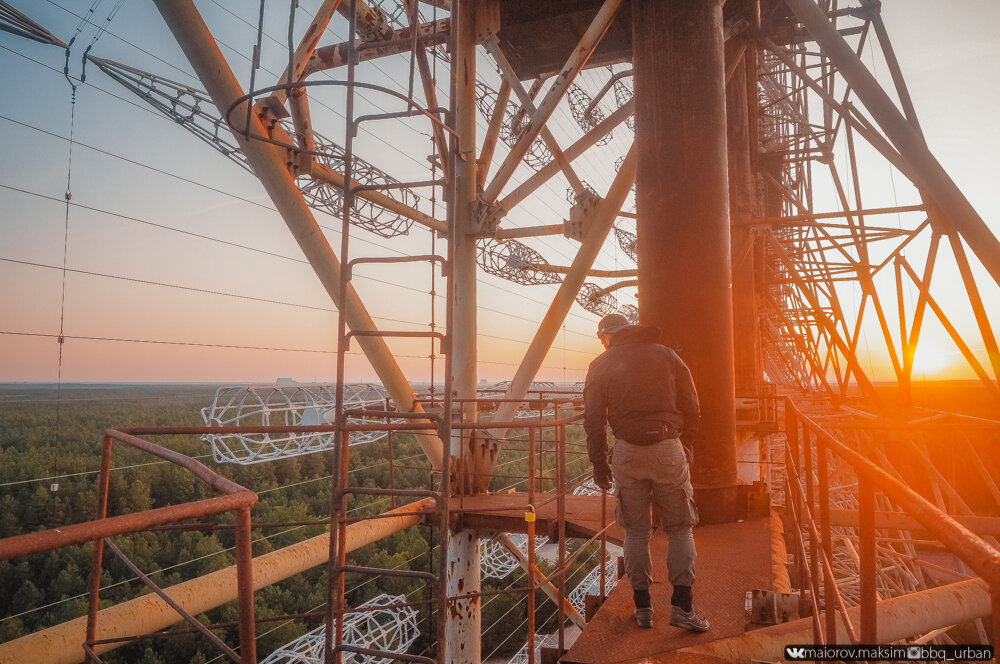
<point x="971" y="549"/>
<point x="239" y="500"/>
<point x="235" y="498"/>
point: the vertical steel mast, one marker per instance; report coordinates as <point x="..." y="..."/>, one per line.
<point x="463" y="573"/>
<point x="682" y="202"/>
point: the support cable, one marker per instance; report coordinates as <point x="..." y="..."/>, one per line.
<point x="67" y="196"/>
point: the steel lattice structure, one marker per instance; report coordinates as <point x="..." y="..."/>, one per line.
<point x="591" y="584"/>
<point x="761" y="245"/>
<point x="287" y="405"/>
<point x="390" y="629"/>
<point x="541" y="641"/>
<point x="496" y="562"/>
<point x="194" y="110"/>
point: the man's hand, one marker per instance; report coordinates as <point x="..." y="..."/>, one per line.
<point x="602" y="477"/>
<point x="689" y="453"/>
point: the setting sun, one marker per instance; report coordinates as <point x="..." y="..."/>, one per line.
<point x="933" y="360"/>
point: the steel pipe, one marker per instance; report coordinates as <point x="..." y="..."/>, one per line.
<point x="682" y="194"/>
<point x="78" y="533"/>
<point x="463" y="572"/>
<point x="980" y="525"/>
<point x="399" y="41"/>
<point x="898" y="618"/>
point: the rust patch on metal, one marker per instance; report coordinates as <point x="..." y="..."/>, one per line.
<point x="724" y="574"/>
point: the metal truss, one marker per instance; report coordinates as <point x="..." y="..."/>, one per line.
<point x="388" y="625"/>
<point x="589" y="488"/>
<point x="364" y="214"/>
<point x="514" y="124"/>
<point x="627" y="240"/>
<point x="913" y="453"/>
<point x="591" y="584"/>
<point x="830" y="273"/>
<point x="541" y="641"/>
<point x="19" y="24"/>
<point x="585" y="111"/>
<point x="597" y="300"/>
<point x="509" y="259"/>
<point x="514" y="261"/>
<point x="496" y="562"/>
<point x="517" y="262"/>
<point x="836" y="278"/>
<point x="194" y="110"/>
<point x="285" y="405"/>
<point x="840" y="273"/>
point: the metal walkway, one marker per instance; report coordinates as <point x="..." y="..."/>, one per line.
<point x="504" y="512"/>
<point x="733" y="559"/>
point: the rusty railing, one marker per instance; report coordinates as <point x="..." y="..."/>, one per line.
<point x="808" y="492"/>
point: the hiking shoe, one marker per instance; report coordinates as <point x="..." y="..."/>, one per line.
<point x="692" y="620"/>
<point x="643" y="618"/>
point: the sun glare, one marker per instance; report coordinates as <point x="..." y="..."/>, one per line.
<point x="932" y="360"/>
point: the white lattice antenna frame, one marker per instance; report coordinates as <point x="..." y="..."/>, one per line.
<point x="284" y="405"/>
<point x="521" y="541"/>
<point x="591" y="584"/>
<point x="392" y="629"/>
<point x="541" y="641"/>
<point x="496" y="562"/>
<point x="498" y="390"/>
<point x="589" y="488"/>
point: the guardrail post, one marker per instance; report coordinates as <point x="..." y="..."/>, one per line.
<point x="96" y="563"/>
<point x="829" y="584"/>
<point x="792" y="465"/>
<point x="531" y="545"/>
<point x="995" y="603"/>
<point x="392" y="464"/>
<point x="866" y="516"/>
<point x="604" y="545"/>
<point x="814" y="546"/>
<point x="244" y="587"/>
<point x="560" y="445"/>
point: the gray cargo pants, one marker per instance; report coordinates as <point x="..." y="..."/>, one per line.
<point x="655" y="474"/>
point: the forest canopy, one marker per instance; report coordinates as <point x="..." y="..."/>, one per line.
<point x="49" y="456"/>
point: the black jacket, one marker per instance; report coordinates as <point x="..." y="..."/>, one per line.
<point x="642" y="389"/>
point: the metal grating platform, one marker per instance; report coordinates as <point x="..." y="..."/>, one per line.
<point x="733" y="558"/>
<point x="504" y="512"/>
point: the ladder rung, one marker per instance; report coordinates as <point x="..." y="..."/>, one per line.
<point x="396" y="185"/>
<point x="394" y="333"/>
<point x="395" y="115"/>
<point x="431" y="258"/>
<point x="368" y="412"/>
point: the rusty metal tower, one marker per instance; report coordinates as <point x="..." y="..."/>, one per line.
<point x="750" y="125"/>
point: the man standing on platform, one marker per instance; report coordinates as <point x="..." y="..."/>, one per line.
<point x="645" y="392"/>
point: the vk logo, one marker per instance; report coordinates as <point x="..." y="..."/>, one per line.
<point x="794" y="653"/>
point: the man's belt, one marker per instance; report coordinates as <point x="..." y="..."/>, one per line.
<point x="654" y="435"/>
<point x="647" y="443"/>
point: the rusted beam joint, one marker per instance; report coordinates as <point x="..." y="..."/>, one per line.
<point x="398" y="41"/>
